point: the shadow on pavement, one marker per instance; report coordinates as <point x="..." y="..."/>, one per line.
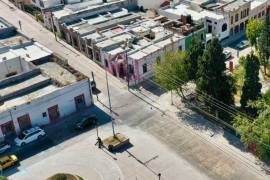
<point x="149" y="85"/>
<point x="56" y="134"/>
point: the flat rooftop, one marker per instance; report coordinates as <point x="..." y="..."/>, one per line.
<point x="17" y="101"/>
<point x="84" y="29"/>
<point x="231" y="6"/>
<point x="83" y="6"/>
<point x="256" y="3"/>
<point x="4" y="24"/>
<point x="13" y="41"/>
<point x="45" y="78"/>
<point x="183" y="9"/>
<point x="30" y="52"/>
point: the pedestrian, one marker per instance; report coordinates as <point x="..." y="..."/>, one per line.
<point x="20" y="25"/>
<point x="100" y="144"/>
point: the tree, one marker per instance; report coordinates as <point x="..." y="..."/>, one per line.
<point x="194" y="53"/>
<point x="253" y="30"/>
<point x="3" y="178"/>
<point x="251" y="89"/>
<point x="212" y="78"/>
<point x="263" y="44"/>
<point x="255" y="134"/>
<point x="171" y="73"/>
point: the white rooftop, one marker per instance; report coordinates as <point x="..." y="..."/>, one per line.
<point x="183" y="9"/>
<point x="28" y="98"/>
<point x="29" y="53"/>
<point x="256" y="3"/>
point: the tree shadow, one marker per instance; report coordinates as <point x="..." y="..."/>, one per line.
<point x="149" y="85"/>
<point x="203" y="123"/>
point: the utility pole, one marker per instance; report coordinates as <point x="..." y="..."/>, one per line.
<point x="109" y="98"/>
<point x="159" y="176"/>
<point x="52" y="24"/>
<point x="128" y="69"/>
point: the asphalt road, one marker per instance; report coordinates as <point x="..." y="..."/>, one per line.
<point x="138" y="112"/>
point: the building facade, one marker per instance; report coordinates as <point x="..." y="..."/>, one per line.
<point x="36" y="87"/>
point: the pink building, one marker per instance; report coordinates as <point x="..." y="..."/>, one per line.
<point x="138" y="63"/>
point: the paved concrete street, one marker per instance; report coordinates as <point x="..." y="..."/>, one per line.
<point x="154" y="127"/>
<point x="80" y="156"/>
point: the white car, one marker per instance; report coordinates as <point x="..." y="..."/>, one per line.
<point x="243" y="44"/>
<point x="4" y="147"/>
<point x="228" y="54"/>
<point x="29" y="135"/>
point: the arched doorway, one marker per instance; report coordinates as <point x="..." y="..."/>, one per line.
<point x="121" y="70"/>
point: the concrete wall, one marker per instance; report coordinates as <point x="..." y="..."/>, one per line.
<point x="15" y="65"/>
<point x="217" y="26"/>
<point x="46" y="3"/>
<point x="150" y="4"/>
<point x="64" y="98"/>
<point x="198" y="34"/>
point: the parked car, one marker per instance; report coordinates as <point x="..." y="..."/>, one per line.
<point x="4" y="146"/>
<point x="29" y="135"/>
<point x="243" y="44"/>
<point x="8" y="161"/>
<point x="86" y="122"/>
<point x="228" y="54"/>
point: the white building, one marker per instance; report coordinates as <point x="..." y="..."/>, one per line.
<point x="132" y="51"/>
<point x="148" y="4"/>
<point x="216" y="23"/>
<point x="36" y="88"/>
<point x="39" y="94"/>
<point x="46" y="3"/>
<point x="258" y="9"/>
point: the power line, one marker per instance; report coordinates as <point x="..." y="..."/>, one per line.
<point x="174" y="81"/>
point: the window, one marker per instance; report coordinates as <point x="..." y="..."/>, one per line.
<point x="208" y="21"/>
<point x="145" y="68"/>
<point x="131" y="69"/>
<point x="232" y="20"/>
<point x="106" y="63"/>
<point x="236" y="17"/>
<point x="263" y="13"/>
<point x="41" y="4"/>
<point x="242" y="26"/>
<point x="247" y="11"/>
<point x="224" y="27"/>
<point x="44" y="114"/>
<point x="259" y="15"/>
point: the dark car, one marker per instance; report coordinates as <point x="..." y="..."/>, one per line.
<point x="93" y="85"/>
<point x="86" y="122"/>
<point x="4" y="146"/>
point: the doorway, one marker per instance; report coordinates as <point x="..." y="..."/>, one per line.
<point x="24" y="122"/>
<point x="54" y="114"/>
<point x="80" y="102"/>
<point x="121" y="70"/>
<point x="8" y="129"/>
